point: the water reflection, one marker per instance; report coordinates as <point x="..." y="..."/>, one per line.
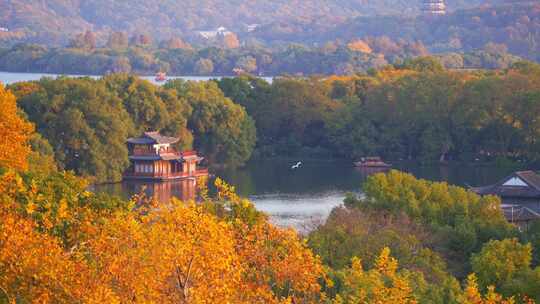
<point x="303" y="197"/>
<point x="185" y="190"/>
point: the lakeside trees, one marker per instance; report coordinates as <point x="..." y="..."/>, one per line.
<point x="88" y="121"/>
<point x="438" y="233"/>
<point x="294" y="60"/>
<point x="417" y="110"/>
<point x="60" y="243"/>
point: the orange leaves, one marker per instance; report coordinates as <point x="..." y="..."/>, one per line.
<point x="14" y="133"/>
<point x="278" y="266"/>
<point x="176" y="255"/>
<point x="64" y="248"/>
<point x="35" y="269"/>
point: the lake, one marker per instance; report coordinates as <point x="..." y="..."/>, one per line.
<point x="304" y="197"/>
<point x="10" y="78"/>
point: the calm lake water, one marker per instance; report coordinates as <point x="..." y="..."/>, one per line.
<point x="304" y="197"/>
<point x="9" y="78"/>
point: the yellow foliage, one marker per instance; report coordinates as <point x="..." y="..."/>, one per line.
<point x="381" y="285"/>
<point x="176" y="255"/>
<point x="473" y="296"/>
<point x="35" y="268"/>
<point x="389" y="74"/>
<point x="279" y="267"/>
<point x="359" y="45"/>
<point x="14" y="133"/>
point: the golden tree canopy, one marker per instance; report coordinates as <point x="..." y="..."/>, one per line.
<point x="14" y="133"/>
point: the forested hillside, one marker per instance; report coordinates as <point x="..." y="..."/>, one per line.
<point x="53" y="21"/>
<point x="515" y="27"/>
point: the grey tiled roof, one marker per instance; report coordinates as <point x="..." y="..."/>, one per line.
<point x="532" y="190"/>
<point x="152" y="138"/>
<point x="520" y="213"/>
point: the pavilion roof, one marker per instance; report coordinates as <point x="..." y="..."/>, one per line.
<point x="152" y="138"/>
<point x="520" y="213"/>
<point x="525" y="184"/>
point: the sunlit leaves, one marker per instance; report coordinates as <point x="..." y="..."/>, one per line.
<point x="14" y="133"/>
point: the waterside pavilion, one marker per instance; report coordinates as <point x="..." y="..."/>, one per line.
<point x="153" y="157"/>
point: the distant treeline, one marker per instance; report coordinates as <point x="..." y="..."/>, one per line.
<point x="417" y="110"/>
<point x="176" y="58"/>
<point x="482" y="37"/>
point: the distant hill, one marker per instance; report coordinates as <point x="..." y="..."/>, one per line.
<point x="53" y="22"/>
<point x="512" y="27"/>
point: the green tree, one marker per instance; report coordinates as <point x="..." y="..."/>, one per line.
<point x="222" y="130"/>
<point x="85" y="123"/>
<point x="204" y="67"/>
<point x="506" y="265"/>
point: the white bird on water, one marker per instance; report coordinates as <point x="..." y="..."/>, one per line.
<point x="298" y="164"/>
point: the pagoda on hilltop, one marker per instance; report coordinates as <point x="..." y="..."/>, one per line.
<point x="433" y="7"/>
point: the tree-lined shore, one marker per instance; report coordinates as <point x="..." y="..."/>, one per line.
<point x="416" y="111"/>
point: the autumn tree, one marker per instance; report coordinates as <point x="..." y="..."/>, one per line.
<point x="41" y="229"/>
<point x="15" y="133"/>
<point x="472" y="294"/>
<point x="382" y="284"/>
<point x="247" y="64"/>
<point x="229" y="41"/>
<point x="118" y="40"/>
<point x="359" y="46"/>
<point x="506" y="265"/>
<point x="204" y="67"/>
<point x="86" y="40"/>
<point x="61" y="243"/>
<point x="177" y="255"/>
<point x="175" y="43"/>
<point x="36" y="269"/>
<point x="279" y="267"/>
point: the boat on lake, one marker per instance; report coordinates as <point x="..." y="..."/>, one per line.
<point x="372" y="162"/>
<point x="160" y="77"/>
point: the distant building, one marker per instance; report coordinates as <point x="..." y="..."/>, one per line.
<point x="220" y="31"/>
<point x="433" y="7"/>
<point x="152" y="157"/>
<point x="252" y="27"/>
<point x="4" y="29"/>
<point x="520" y="195"/>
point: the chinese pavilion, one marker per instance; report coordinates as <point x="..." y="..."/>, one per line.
<point x="434" y="7"/>
<point x="153" y="157"/>
<point x="520" y="195"/>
